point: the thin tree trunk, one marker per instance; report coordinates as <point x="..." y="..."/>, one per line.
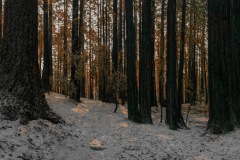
<point x="46" y="70"/>
<point x="181" y="64"/>
<point x="75" y="78"/>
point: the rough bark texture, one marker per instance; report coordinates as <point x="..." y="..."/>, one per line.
<point x="146" y="63"/>
<point x="81" y="45"/>
<point x="180" y="69"/>
<point x="171" y="65"/>
<point x="133" y="113"/>
<point x="65" y="46"/>
<point x="75" y="52"/>
<point x="219" y="93"/>
<point x="115" y="37"/>
<point x="161" y="58"/>
<point x="1" y="21"/>
<point x="46" y="68"/>
<point x="21" y="95"/>
<point x="235" y="60"/>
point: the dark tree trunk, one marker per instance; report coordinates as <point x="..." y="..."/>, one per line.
<point x="50" y="42"/>
<point x="21" y="95"/>
<point x="133" y="113"/>
<point x="191" y="95"/>
<point x="161" y="56"/>
<point x="75" y="52"/>
<point x="181" y="63"/>
<point x="235" y="60"/>
<point x="65" y="46"/>
<point x="46" y="68"/>
<point x="90" y="56"/>
<point x="171" y="65"/>
<point x="146" y="63"/>
<point x="161" y="59"/>
<point x="218" y="54"/>
<point x="153" y="81"/>
<point x="120" y="30"/>
<point x="1" y="20"/>
<point x="81" y="45"/>
<point x="115" y="37"/>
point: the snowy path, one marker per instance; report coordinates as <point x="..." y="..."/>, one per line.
<point x="94" y="132"/>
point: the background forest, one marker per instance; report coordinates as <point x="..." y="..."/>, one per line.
<point x="67" y="65"/>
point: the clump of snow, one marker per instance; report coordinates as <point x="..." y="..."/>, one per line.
<point x="93" y="132"/>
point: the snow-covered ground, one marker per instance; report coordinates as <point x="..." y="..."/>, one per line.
<point x="94" y="132"/>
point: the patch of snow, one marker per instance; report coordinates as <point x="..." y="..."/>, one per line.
<point x="93" y="132"/>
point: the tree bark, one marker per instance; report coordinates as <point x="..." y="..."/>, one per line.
<point x="133" y="113"/>
<point x="181" y="64"/>
<point x="171" y="66"/>
<point x="75" y="53"/>
<point x="218" y="44"/>
<point x="146" y="63"/>
<point x="21" y="93"/>
<point x="46" y="68"/>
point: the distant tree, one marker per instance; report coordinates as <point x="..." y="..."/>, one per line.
<point x="65" y="46"/>
<point x="115" y="36"/>
<point x="21" y="93"/>
<point x="47" y="56"/>
<point x="161" y="57"/>
<point x="218" y="54"/>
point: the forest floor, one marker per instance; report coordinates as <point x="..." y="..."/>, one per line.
<point x="93" y="132"/>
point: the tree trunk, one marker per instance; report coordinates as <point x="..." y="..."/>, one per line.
<point x="181" y="63"/>
<point x="75" y="78"/>
<point x="47" y="58"/>
<point x="1" y="20"/>
<point x="133" y="113"/>
<point x="146" y="63"/>
<point x="81" y="46"/>
<point x="171" y="65"/>
<point x="65" y="47"/>
<point x="115" y="37"/>
<point x="153" y="81"/>
<point x="161" y="56"/>
<point x="218" y="55"/>
<point x="235" y="60"/>
<point x="21" y="93"/>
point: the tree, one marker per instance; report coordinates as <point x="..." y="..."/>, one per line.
<point x="1" y="21"/>
<point x="181" y="63"/>
<point x="75" y="53"/>
<point x="81" y="46"/>
<point x="235" y="60"/>
<point x="133" y="113"/>
<point x="218" y="53"/>
<point x="146" y="63"/>
<point x="161" y="58"/>
<point x="65" y="46"/>
<point x="115" y="37"/>
<point x="21" y="93"/>
<point x="171" y="66"/>
<point x="47" y="56"/>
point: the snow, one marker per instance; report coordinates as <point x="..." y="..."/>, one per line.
<point x="93" y="132"/>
